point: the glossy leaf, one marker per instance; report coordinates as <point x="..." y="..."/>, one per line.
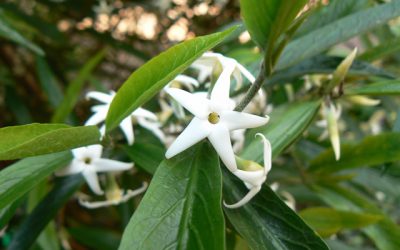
<point x="327" y="221"/>
<point x="145" y="155"/>
<point x="75" y="87"/>
<point x="38" y="139"/>
<point x="19" y="178"/>
<point x="150" y="78"/>
<point x="31" y="228"/>
<point x="380" y="88"/>
<point x="373" y="150"/>
<point x="286" y="125"/>
<point x="182" y="206"/>
<point x="336" y="32"/>
<point x="266" y="222"/>
<point x="385" y="234"/>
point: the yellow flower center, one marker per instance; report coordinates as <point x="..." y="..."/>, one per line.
<point x="213" y="118"/>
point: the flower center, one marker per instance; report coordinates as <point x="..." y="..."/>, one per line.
<point x="87" y="160"/>
<point x="213" y="118"/>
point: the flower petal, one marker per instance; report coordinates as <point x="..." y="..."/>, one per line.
<point x="94" y="151"/>
<point x="246" y="73"/>
<point x="254" y="178"/>
<point x="196" y="131"/>
<point x="96" y="118"/>
<point x="102" y="97"/>
<point x="245" y="199"/>
<point x="75" y="167"/>
<point x="196" y="105"/>
<point x="221" y="141"/>
<point x="127" y="129"/>
<point x="267" y="153"/>
<point x="108" y="165"/>
<point x="187" y="81"/>
<point x="220" y="92"/>
<point x="154" y="127"/>
<point x="92" y="180"/>
<point x="239" y="120"/>
<point x="141" y="112"/>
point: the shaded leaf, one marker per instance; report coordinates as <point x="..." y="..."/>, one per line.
<point x="386" y="48"/>
<point x="19" y="178"/>
<point x="336" y="32"/>
<point x="182" y="207"/>
<point x="328" y="221"/>
<point x="150" y="78"/>
<point x="37" y="139"/>
<point x="48" y="82"/>
<point x="95" y="238"/>
<point x="380" y="88"/>
<point x="147" y="156"/>
<point x="7" y="212"/>
<point x="372" y="150"/>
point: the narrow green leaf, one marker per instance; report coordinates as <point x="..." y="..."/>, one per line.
<point x="146" y="81"/>
<point x="145" y="155"/>
<point x="95" y="238"/>
<point x="48" y="82"/>
<point x="386" y="48"/>
<point x="182" y="207"/>
<point x="266" y="222"/>
<point x="38" y="139"/>
<point x="380" y="88"/>
<point x="9" y="33"/>
<point x="385" y="234"/>
<point x="30" y="229"/>
<point x="75" y="87"/>
<point x="339" y="31"/>
<point x="328" y="221"/>
<point x="286" y="124"/>
<point x="371" y="151"/>
<point x="19" y="178"/>
<point x="7" y="212"/>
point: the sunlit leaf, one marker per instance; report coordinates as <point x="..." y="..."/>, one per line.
<point x="150" y="78"/>
<point x="182" y="206"/>
<point x="38" y="139"/>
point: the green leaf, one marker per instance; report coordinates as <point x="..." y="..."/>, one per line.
<point x="385" y="48"/>
<point x="327" y="221"/>
<point x="19" y="178"/>
<point x="322" y="64"/>
<point x="182" y="207"/>
<point x="150" y="78"/>
<point x="38" y="139"/>
<point x="266" y="20"/>
<point x="30" y="229"/>
<point x="9" y="33"/>
<point x="372" y="150"/>
<point x="339" y="31"/>
<point x="380" y="88"/>
<point x="266" y="222"/>
<point x="385" y="234"/>
<point x="48" y="82"/>
<point x="148" y="156"/>
<point x="75" y="87"/>
<point x="7" y="212"/>
<point x="95" y="238"/>
<point x="286" y="124"/>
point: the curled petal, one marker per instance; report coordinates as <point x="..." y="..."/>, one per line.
<point x="92" y="180"/>
<point x="154" y="127"/>
<point x="187" y="81"/>
<point x="267" y="153"/>
<point x="107" y="165"/>
<point x="239" y="120"/>
<point x="127" y="129"/>
<point x="196" y="131"/>
<point x="245" y="72"/>
<point x="141" y="112"/>
<point x="196" y="105"/>
<point x="254" y="178"/>
<point x="245" y="199"/>
<point x="221" y="141"/>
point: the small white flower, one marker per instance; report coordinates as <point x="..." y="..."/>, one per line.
<point x="117" y="197"/>
<point x="88" y="162"/>
<point x="254" y="179"/>
<point x="144" y="117"/>
<point x="214" y="119"/>
<point x="209" y="61"/>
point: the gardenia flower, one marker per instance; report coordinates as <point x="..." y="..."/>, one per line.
<point x="255" y="176"/>
<point x="144" y="117"/>
<point x="88" y="162"/>
<point x="214" y="119"/>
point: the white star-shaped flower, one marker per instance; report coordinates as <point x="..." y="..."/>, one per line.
<point x="88" y="162"/>
<point x="207" y="63"/>
<point x="254" y="179"/>
<point x="144" y="117"/>
<point x="214" y="119"/>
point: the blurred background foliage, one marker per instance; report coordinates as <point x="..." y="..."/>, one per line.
<point x="55" y="50"/>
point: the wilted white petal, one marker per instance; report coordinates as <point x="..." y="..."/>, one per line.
<point x="239" y="120"/>
<point x="196" y="131"/>
<point x="196" y="105"/>
<point x="102" y="97"/>
<point x="92" y="180"/>
<point x="221" y="141"/>
<point x="107" y="165"/>
<point x="127" y="129"/>
<point x="245" y="199"/>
